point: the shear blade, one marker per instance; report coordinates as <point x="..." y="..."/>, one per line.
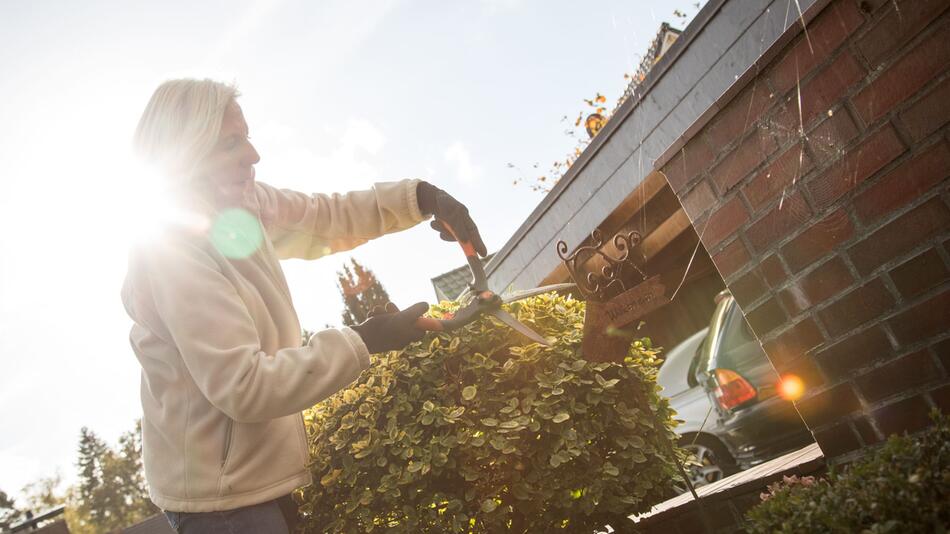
<point x="509" y="320"/>
<point x="525" y="293"/>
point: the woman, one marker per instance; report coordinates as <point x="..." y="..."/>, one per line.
<point x="224" y="375"/>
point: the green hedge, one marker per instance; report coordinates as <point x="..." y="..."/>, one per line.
<point x="481" y="430"/>
<point x="902" y="487"/>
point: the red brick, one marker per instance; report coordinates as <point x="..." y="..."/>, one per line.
<point x="783" y="219"/>
<point x="927" y="319"/>
<point x="900" y="235"/>
<point x="929" y="113"/>
<point x="829" y="405"/>
<point x="750" y="153"/>
<point x="829" y="138"/>
<point x="806" y="370"/>
<point x="819" y="240"/>
<point x="897" y="27"/>
<point x="688" y="520"/>
<point x="724" y="222"/>
<point x="837" y="440"/>
<point x="860" y="350"/>
<point x="825" y="34"/>
<point x="777" y="176"/>
<point x="905" y="77"/>
<point x="738" y="115"/>
<point x="920" y="274"/>
<point x="772" y="271"/>
<point x="903" y="374"/>
<point x="857" y="307"/>
<point x="731" y="258"/>
<point x="870" y="6"/>
<point x="748" y="287"/>
<point x="794" y="343"/>
<point x="698" y="200"/>
<point x="821" y="93"/>
<point x="691" y="161"/>
<point x="866" y="431"/>
<point x="794" y="300"/>
<point x="904" y="184"/>
<point x="826" y="281"/>
<point x="942" y="350"/>
<point x="908" y="415"/>
<point x="941" y="398"/>
<point x="879" y="149"/>
<point x="766" y="317"/>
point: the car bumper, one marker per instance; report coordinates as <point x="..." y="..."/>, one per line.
<point x="764" y="431"/>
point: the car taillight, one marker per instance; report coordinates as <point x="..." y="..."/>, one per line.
<point x="732" y="390"/>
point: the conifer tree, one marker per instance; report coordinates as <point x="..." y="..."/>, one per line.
<point x="128" y="471"/>
<point x="92" y="453"/>
<point x="111" y="493"/>
<point x="361" y="292"/>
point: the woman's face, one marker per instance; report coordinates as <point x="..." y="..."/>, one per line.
<point x="228" y="171"/>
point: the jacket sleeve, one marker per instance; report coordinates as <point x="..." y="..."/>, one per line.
<point x="199" y="309"/>
<point x="309" y="226"/>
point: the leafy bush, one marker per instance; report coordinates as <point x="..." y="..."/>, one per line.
<point x="903" y="487"/>
<point x="480" y="430"/>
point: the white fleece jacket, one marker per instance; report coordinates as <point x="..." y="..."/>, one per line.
<point x="224" y="376"/>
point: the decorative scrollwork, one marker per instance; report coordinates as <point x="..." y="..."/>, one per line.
<point x="600" y="286"/>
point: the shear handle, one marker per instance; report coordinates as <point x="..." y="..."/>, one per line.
<point x="479" y="281"/>
<point x="461" y="317"/>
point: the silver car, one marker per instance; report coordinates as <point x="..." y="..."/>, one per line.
<point x="698" y="422"/>
<point x="726" y="393"/>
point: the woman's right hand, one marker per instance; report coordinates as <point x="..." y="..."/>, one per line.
<point x="391" y="329"/>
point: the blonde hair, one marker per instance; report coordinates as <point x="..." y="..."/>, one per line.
<point x="180" y="126"/>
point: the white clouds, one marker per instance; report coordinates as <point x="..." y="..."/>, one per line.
<point x="360" y="134"/>
<point x="249" y="21"/>
<point x="345" y="162"/>
<point x="500" y="6"/>
<point x="466" y="171"/>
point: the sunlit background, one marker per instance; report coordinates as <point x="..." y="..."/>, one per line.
<point x="337" y="95"/>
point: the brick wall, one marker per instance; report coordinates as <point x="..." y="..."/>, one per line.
<point x="830" y="218"/>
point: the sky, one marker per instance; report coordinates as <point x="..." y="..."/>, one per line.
<point x="337" y="95"/>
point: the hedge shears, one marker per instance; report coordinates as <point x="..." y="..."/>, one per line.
<point x="478" y="300"/>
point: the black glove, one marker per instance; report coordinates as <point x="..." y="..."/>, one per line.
<point x="391" y="330"/>
<point x="434" y="201"/>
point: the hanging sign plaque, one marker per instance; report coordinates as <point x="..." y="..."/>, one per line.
<point x="607" y="332"/>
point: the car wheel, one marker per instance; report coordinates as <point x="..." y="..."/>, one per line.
<point x="710" y="464"/>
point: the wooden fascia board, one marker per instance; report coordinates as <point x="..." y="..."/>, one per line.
<point x="652" y="244"/>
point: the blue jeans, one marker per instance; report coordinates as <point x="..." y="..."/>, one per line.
<point x="272" y="517"/>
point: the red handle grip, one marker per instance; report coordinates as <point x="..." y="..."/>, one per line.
<point x="467" y="247"/>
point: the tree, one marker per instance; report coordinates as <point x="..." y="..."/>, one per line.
<point x="361" y="292"/>
<point x="111" y="493"/>
<point x="37" y="497"/>
<point x="9" y="513"/>
<point x="43" y="494"/>
<point x="128" y="472"/>
<point x="92" y="453"/>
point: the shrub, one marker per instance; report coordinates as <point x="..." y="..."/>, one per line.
<point x="480" y="430"/>
<point x="903" y="487"/>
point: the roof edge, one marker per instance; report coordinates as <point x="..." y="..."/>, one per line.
<point x="656" y="73"/>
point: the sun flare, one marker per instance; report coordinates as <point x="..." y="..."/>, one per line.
<point x="147" y="208"/>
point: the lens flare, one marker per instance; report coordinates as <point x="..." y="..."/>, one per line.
<point x="791" y="388"/>
<point x="236" y="233"/>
